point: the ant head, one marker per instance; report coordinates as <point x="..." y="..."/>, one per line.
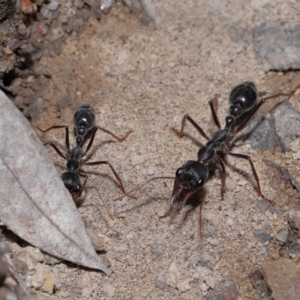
<point x="242" y="98"/>
<point x="72" y="183"/>
<point x="192" y="175"/>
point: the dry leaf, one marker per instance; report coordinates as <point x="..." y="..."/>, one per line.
<point x="33" y="200"/>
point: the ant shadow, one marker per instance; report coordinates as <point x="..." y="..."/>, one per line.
<point x="96" y="148"/>
<point x="194" y="202"/>
<point x="194" y="140"/>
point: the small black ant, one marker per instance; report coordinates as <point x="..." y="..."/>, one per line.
<point x="84" y="122"/>
<point x="193" y="174"/>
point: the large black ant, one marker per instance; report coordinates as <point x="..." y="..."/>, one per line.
<point x="84" y="122"/>
<point x="191" y="177"/>
<point x="193" y="174"/>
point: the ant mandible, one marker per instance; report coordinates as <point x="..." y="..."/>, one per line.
<point x="193" y="174"/>
<point x="84" y="122"/>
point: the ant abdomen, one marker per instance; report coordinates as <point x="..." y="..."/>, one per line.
<point x="84" y="119"/>
<point x="242" y="98"/>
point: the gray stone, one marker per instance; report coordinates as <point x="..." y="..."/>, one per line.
<point x="225" y="291"/>
<point x="294" y="219"/>
<point x="263" y="136"/>
<point x="106" y="5"/>
<point x="283" y="278"/>
<point x="278" y="46"/>
<point x="79" y="3"/>
<point x="262" y="234"/>
<point x="51" y="260"/>
<point x="282" y="236"/>
<point x="7" y="294"/>
<point x="183" y="285"/>
<point x="4" y="248"/>
<point x="53" y="5"/>
<point x="63" y="19"/>
<point x="256" y="278"/>
<point x="262" y="205"/>
<point x="287" y="125"/>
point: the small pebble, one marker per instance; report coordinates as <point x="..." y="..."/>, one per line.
<point x="78" y="3"/>
<point x="210" y="281"/>
<point x="173" y="275"/>
<point x="109" y="290"/>
<point x="151" y="171"/>
<point x="262" y="234"/>
<point x="45" y="12"/>
<point x="294" y="219"/>
<point x="225" y="292"/>
<point x="49" y="283"/>
<point x="204" y="288"/>
<point x="26" y="6"/>
<point x="4" y="248"/>
<point x="282" y="236"/>
<point x="262" y="205"/>
<point x="106" y="5"/>
<point x="229" y="222"/>
<point x="53" y="5"/>
<point x="63" y="19"/>
<point x="183" y="285"/>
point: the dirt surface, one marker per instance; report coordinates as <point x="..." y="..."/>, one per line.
<point x="145" y="79"/>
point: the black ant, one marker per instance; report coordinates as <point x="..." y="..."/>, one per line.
<point x="84" y="122"/>
<point x="191" y="177"/>
<point x="193" y="174"/>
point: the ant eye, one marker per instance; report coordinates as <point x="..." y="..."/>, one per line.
<point x="179" y="172"/>
<point x="200" y="182"/>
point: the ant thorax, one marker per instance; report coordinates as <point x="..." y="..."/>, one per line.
<point x="76" y="153"/>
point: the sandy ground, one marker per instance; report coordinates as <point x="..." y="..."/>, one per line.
<point x="145" y="79"/>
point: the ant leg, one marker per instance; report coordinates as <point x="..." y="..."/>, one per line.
<point x="223" y="176"/>
<point x="106" y="131"/>
<point x="167" y="214"/>
<point x="106" y="207"/>
<point x="213" y="111"/>
<point x="119" y="139"/>
<point x="253" y="172"/>
<point x="198" y="128"/>
<point x="185" y="199"/>
<point x="56" y="149"/>
<point x="140" y="186"/>
<point x="94" y="187"/>
<point x="200" y="218"/>
<point x="175" y="193"/>
<point x="67" y="133"/>
<point x="105" y="162"/>
<point x="261" y="102"/>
